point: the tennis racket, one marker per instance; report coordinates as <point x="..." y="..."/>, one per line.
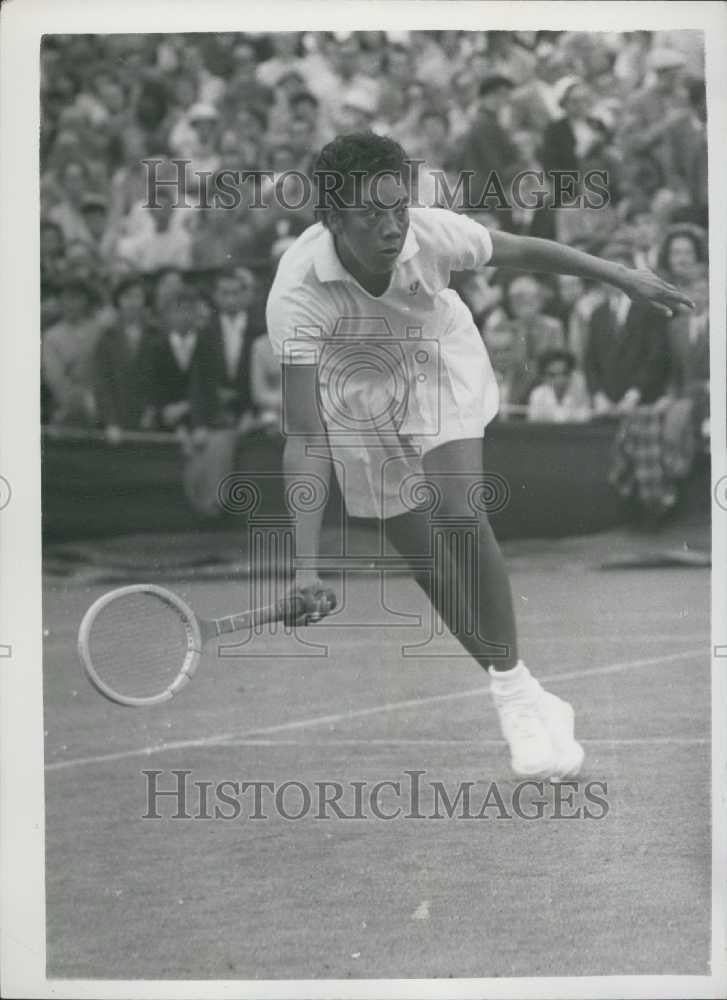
<point x="140" y="645"/>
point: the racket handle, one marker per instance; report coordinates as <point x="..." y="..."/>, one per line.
<point x="289" y="609"/>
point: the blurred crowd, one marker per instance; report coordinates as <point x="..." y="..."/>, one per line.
<point x="153" y="318"/>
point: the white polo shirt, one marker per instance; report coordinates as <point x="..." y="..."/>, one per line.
<point x="400" y="373"/>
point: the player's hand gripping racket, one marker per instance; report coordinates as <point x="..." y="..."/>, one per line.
<point x="140" y="645"/>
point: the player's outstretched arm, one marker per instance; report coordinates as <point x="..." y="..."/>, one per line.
<point x="306" y="466"/>
<point x="528" y="253"/>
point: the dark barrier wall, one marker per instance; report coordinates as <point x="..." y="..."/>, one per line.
<point x="556" y="476"/>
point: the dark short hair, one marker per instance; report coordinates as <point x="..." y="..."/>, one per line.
<point x="93" y="204"/>
<point x="290" y="74"/>
<point x="354" y="152"/>
<point x="127" y="281"/>
<point x="185" y="294"/>
<point x="547" y="358"/>
<point x="435" y="113"/>
<point x="231" y="273"/>
<point x="303" y="97"/>
<point x="682" y="231"/>
<point x="497" y="82"/>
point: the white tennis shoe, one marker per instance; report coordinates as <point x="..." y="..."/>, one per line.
<point x="538" y="726"/>
<point x="559" y="719"/>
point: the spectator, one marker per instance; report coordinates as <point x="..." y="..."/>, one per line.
<point x="629" y="67"/>
<point x="250" y="122"/>
<point x="530" y="214"/>
<point x="689" y="150"/>
<point x="689" y="338"/>
<point x="463" y="103"/>
<point x="433" y="147"/>
<point x="288" y="85"/>
<point x="537" y="102"/>
<point x="357" y="111"/>
<point x="646" y="236"/>
<point x="266" y="384"/>
<point x="399" y="70"/>
<point x="433" y="142"/>
<point x="304" y="106"/>
<point x="50" y="305"/>
<point x="488" y="147"/>
<point x="438" y="57"/>
<point x="561" y="396"/>
<point x="287" y="56"/>
<point x="627" y="357"/>
<point x="173" y="357"/>
<point x="152" y="104"/>
<point x="221" y="382"/>
<point x="244" y="91"/>
<point x="536" y="331"/>
<point x="225" y="237"/>
<point x="569" y="140"/>
<point x="67" y="353"/>
<point x="67" y="213"/>
<point x="129" y="184"/>
<point x="508" y="53"/>
<point x="575" y="304"/>
<point x="513" y="378"/>
<point x="159" y="236"/>
<point x="91" y="102"/>
<point x="169" y="282"/>
<point x="196" y="139"/>
<point x="653" y="112"/>
<point x="689" y="348"/>
<point x="299" y="139"/>
<point x="104" y="235"/>
<point x="123" y="363"/>
<point x="682" y="255"/>
<point x="52" y="246"/>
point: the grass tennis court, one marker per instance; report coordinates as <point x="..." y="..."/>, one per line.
<point x="244" y="899"/>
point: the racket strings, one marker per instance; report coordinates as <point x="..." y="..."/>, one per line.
<point x="138" y="645"/>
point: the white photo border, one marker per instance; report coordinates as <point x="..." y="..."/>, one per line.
<point x="22" y="860"/>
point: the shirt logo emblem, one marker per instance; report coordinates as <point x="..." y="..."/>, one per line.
<point x="413" y="287"/>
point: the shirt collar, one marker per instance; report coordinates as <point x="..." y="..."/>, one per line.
<point x="233" y="321"/>
<point x="329" y="268"/>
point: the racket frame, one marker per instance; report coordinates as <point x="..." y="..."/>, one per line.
<point x="191" y="660"/>
<point x="200" y="631"/>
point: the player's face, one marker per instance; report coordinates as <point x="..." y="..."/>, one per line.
<point x="373" y="232"/>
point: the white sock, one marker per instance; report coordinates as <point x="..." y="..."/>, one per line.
<point x="505" y="679"/>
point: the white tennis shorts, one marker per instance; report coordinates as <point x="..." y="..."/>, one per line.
<point x="387" y="403"/>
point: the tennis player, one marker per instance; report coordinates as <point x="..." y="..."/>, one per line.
<point x="387" y="380"/>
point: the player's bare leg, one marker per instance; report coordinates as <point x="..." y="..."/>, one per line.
<point x="469" y="587"/>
